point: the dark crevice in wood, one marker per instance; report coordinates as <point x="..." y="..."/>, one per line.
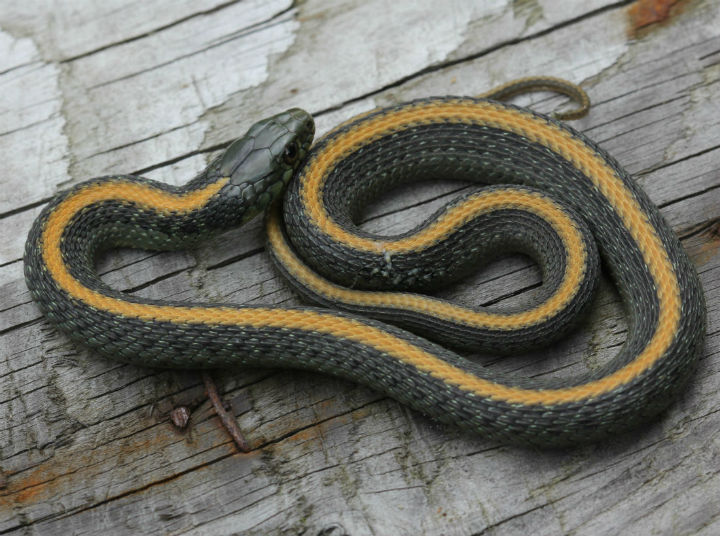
<point x="709" y="334"/>
<point x="127" y="493"/>
<point x="685" y="158"/>
<point x="236" y="258"/>
<point x="23" y="394"/>
<point x="698" y="229"/>
<point x="135" y="142"/>
<point x="29" y="125"/>
<point x="713" y="64"/>
<point x="706" y="56"/>
<point x="248" y="31"/>
<point x="179" y="158"/>
<point x="401" y="488"/>
<point x="20" y="325"/>
<point x="24" y="208"/>
<point x="512" y="294"/>
<point x="215" y="9"/>
<point x="37" y="103"/>
<point x="6" y="309"/>
<point x="267" y="23"/>
<point x="634" y="112"/>
<point x="420" y="203"/>
<point x="689" y="196"/>
<point x="20" y="369"/>
<point x="15" y="67"/>
<point x="703" y="416"/>
<point x="133" y="262"/>
<point x="280" y="513"/>
<point x="314" y="424"/>
<point x="435" y="459"/>
<point x="8" y="263"/>
<point x="153" y="373"/>
<point x="640" y="127"/>
<point x="112" y="370"/>
<point x="157" y="279"/>
<point x="551" y="371"/>
<point x="510" y="518"/>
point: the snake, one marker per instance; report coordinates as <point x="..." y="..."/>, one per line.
<point x="539" y="188"/>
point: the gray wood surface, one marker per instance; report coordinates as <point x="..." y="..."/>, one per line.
<point x="91" y="88"/>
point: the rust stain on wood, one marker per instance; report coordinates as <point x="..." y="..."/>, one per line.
<point x="308" y="434"/>
<point x="644" y="13"/>
<point x="32" y="488"/>
<point x="44" y="483"/>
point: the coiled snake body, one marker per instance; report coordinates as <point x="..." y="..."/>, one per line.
<point x="551" y="189"/>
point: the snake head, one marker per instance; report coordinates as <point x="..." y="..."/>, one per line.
<point x="262" y="162"/>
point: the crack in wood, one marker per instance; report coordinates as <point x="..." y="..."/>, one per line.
<point x="167" y="26"/>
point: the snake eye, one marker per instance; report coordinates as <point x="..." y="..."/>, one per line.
<point x="291" y="153"/>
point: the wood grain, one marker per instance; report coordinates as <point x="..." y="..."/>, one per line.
<point x="86" y="445"/>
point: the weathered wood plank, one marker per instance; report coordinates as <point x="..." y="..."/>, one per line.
<point x="85" y="445"/>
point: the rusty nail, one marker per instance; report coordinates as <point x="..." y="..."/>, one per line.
<point x="227" y="419"/>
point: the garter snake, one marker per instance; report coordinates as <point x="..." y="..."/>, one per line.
<point x="550" y="190"/>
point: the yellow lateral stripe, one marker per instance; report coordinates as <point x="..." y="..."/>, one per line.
<point x="563" y="143"/>
<point x="470" y="208"/>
